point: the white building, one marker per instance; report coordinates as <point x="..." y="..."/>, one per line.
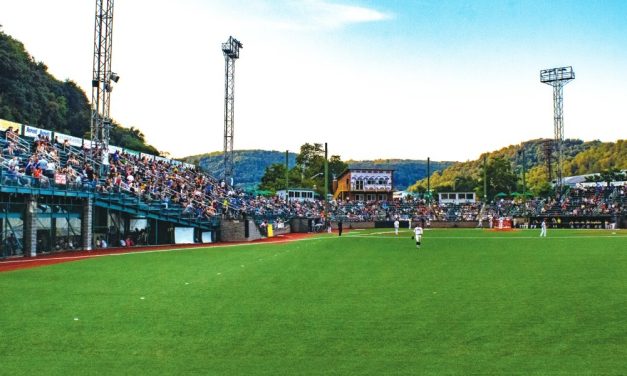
<point x="457" y="197"/>
<point x="299" y="194"/>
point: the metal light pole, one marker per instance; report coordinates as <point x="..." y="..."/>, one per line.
<point x="102" y="78"/>
<point x="287" y="181"/>
<point x="326" y="172"/>
<point x="558" y="77"/>
<point x="485" y="178"/>
<point x="428" y="180"/>
<point x="230" y="50"/>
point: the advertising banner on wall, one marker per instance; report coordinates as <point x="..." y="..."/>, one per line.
<point x="74" y="141"/>
<point x="5" y="124"/>
<point x="113" y="149"/>
<point x="207" y="236"/>
<point x="132" y="152"/>
<point x="150" y="157"/>
<point x="34" y="132"/>
<point x="183" y="235"/>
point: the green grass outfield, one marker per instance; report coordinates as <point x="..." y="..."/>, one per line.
<point x="468" y="302"/>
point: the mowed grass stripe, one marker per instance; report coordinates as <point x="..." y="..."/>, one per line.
<point x="335" y="306"/>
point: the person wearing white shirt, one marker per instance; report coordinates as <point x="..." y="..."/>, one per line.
<point x="418" y="235"/>
<point x="543" y="229"/>
<point x="396" y="224"/>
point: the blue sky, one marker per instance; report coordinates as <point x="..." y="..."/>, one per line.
<point x="374" y="79"/>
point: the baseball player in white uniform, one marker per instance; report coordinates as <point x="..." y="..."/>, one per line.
<point x="418" y="235"/>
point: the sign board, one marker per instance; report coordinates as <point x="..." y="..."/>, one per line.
<point x="147" y="156"/>
<point x="113" y="149"/>
<point x="5" y="124"/>
<point x="60" y="179"/>
<point x="74" y="141"/>
<point x="34" y="132"/>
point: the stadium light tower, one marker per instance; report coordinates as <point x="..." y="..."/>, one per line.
<point x="558" y="77"/>
<point x="102" y="79"/>
<point x="230" y="49"/>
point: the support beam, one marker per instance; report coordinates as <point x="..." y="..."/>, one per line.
<point x="87" y="224"/>
<point x="30" y="227"/>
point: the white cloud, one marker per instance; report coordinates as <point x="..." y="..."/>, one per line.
<point x="323" y="15"/>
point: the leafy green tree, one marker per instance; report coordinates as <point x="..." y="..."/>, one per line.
<point x="307" y="173"/>
<point x="500" y="178"/>
<point x="30" y="95"/>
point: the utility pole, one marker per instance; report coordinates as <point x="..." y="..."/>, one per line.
<point x="485" y="178"/>
<point x="428" y="180"/>
<point x="524" y="163"/>
<point x="326" y="171"/>
<point x="287" y="181"/>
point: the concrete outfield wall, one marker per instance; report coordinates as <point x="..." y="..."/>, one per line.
<point x="235" y="231"/>
<point x="354" y="225"/>
<point x="444" y="224"/>
<point x="282" y="231"/>
<point x="299" y="225"/>
<point x="404" y="224"/>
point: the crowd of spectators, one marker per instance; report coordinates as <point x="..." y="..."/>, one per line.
<point x="198" y="195"/>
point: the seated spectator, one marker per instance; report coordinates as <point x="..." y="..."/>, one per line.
<point x="9" y="150"/>
<point x="41" y="178"/>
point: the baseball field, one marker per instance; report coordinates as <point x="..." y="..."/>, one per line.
<point x="467" y="302"/>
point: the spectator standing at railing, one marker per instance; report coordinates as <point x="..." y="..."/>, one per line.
<point x="50" y="169"/>
<point x="10" y="149"/>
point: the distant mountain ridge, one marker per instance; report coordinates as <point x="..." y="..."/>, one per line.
<point x="250" y="165"/>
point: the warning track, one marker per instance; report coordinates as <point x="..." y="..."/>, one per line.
<point x="60" y="257"/>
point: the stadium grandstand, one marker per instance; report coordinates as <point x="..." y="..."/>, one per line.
<point x="54" y="197"/>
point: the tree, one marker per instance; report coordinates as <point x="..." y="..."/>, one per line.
<point x="271" y="179"/>
<point x="30" y="95"/>
<point x="308" y="172"/>
<point x="500" y="178"/>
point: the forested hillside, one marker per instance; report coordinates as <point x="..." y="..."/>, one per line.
<point x="30" y="95"/>
<point x="250" y="165"/>
<point x="580" y="158"/>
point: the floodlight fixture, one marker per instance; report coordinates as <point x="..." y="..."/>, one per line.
<point x="231" y="48"/>
<point x="114" y="77"/>
<point x="562" y="75"/>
